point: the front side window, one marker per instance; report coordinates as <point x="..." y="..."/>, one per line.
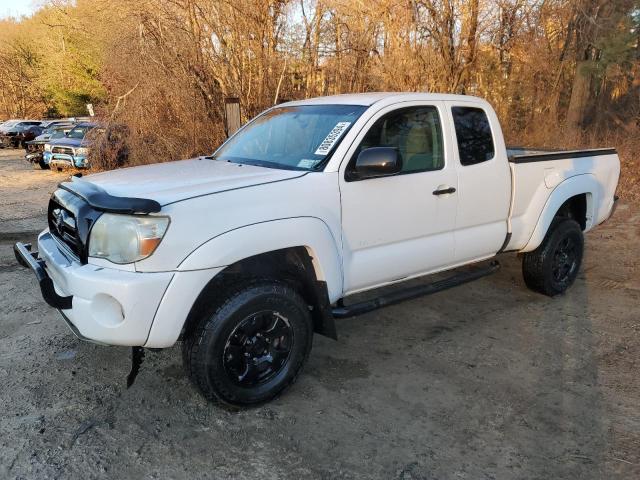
<point x="293" y="138"/>
<point x="475" y="142"/>
<point x="415" y="132"/>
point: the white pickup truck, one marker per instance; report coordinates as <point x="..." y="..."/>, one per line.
<point x="244" y="254"/>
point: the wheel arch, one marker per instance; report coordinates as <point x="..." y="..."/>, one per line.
<point x="574" y="198"/>
<point x="236" y="245"/>
<point x="301" y="251"/>
<point x="292" y="266"/>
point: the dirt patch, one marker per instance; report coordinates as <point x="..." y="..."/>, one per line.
<point x="25" y="192"/>
<point x="488" y="380"/>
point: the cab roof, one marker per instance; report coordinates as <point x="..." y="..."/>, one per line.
<point x="368" y="99"/>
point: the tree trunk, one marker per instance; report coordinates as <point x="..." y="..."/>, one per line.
<point x="580" y="95"/>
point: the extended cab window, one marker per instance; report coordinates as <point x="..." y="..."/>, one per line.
<point x="475" y="142"/>
<point x="415" y="132"/>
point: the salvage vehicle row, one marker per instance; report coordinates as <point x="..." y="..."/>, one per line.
<point x="61" y="144"/>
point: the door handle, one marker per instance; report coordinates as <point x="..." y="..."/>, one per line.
<point x="444" y="191"/>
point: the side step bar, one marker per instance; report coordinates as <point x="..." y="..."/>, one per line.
<point x="344" y="311"/>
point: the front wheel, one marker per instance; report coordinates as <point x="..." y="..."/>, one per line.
<point x="43" y="164"/>
<point x="553" y="266"/>
<point x="250" y="347"/>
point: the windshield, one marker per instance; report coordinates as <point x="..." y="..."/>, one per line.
<point x="57" y="134"/>
<point x="294" y="138"/>
<point x="79" y="132"/>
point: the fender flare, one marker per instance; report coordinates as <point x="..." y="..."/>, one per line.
<point x="311" y="233"/>
<point x="576" y="185"/>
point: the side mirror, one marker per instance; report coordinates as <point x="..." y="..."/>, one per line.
<point x="377" y="162"/>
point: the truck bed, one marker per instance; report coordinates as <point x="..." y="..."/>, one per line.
<point x="537" y="173"/>
<point x="529" y="154"/>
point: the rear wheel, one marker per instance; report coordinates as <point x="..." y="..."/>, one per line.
<point x="553" y="266"/>
<point x="250" y="347"/>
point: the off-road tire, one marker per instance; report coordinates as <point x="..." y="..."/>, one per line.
<point x="203" y="347"/>
<point x="43" y="165"/>
<point x="538" y="266"/>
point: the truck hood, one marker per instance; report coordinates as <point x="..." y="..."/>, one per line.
<point x="171" y="182"/>
<point x="70" y="142"/>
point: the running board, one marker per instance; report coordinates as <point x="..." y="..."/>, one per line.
<point x="344" y="311"/>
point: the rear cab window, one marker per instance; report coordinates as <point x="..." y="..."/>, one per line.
<point x="473" y="132"/>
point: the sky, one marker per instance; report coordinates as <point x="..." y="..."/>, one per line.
<point x="16" y="8"/>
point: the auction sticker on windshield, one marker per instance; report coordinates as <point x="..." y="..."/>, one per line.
<point x="331" y="139"/>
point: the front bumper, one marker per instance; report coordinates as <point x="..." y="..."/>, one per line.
<point x="29" y="259"/>
<point x="104" y="305"/>
<point x="62" y="160"/>
<point x="33" y="157"/>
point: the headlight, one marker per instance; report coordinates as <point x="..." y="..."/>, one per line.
<point x="47" y="147"/>
<point x="82" y="151"/>
<point x="126" y="238"/>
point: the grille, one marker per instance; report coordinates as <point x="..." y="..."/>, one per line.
<point x="65" y="150"/>
<point x="62" y="225"/>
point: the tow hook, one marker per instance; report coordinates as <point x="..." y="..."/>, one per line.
<point x="137" y="356"/>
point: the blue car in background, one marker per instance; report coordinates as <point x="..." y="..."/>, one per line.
<point x="35" y="148"/>
<point x="71" y="151"/>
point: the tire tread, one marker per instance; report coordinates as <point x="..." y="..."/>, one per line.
<point x="534" y="263"/>
<point x="216" y="312"/>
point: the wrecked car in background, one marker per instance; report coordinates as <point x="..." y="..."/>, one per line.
<point x="11" y="132"/>
<point x="30" y="133"/>
<point x="35" y="148"/>
<point x="26" y="134"/>
<point x="109" y="143"/>
<point x="72" y="150"/>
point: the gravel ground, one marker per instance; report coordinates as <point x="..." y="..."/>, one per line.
<point x="488" y="380"/>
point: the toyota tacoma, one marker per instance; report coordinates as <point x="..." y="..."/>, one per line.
<point x="244" y="254"/>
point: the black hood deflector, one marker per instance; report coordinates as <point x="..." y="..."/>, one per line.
<point x="100" y="200"/>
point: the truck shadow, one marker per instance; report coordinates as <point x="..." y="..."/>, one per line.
<point x="496" y="370"/>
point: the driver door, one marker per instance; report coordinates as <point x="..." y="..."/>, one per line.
<point x="402" y="225"/>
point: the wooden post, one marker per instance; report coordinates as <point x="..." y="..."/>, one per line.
<point x="232" y="121"/>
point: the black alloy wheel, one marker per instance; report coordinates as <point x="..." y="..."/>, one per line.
<point x="249" y="343"/>
<point x="553" y="267"/>
<point x="565" y="260"/>
<point x="258" y="348"/>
